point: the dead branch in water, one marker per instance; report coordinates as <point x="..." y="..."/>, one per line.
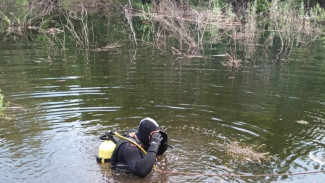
<point x="108" y="47"/>
<point x="231" y="61"/>
<point x="80" y="37"/>
<point x="185" y="31"/>
<point x="128" y="16"/>
<point x="192" y="29"/>
<point x="188" y="27"/>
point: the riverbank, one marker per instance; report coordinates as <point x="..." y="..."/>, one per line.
<point x="184" y="29"/>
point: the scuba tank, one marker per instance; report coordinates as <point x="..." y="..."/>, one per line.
<point x="106" y="148"/>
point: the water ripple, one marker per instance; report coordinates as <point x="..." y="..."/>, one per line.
<point x="173" y="107"/>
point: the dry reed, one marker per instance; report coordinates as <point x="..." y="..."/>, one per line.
<point x="81" y="37"/>
<point x="189" y="27"/>
<point x="245" y="153"/>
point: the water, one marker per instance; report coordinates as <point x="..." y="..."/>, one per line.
<point x="67" y="98"/>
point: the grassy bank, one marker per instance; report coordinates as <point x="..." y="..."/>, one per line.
<point x="286" y="23"/>
<point x="184" y="28"/>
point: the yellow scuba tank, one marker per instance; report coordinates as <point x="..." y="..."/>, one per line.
<point x="106" y="148"/>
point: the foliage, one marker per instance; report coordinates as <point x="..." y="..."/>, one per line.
<point x="261" y="5"/>
<point x="186" y="31"/>
<point x="317" y="13"/>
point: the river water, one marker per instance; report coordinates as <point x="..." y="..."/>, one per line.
<point x="63" y="100"/>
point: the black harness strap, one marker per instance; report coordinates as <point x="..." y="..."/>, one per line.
<point x="114" y="157"/>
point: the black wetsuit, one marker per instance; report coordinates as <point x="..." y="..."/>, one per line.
<point x="130" y="157"/>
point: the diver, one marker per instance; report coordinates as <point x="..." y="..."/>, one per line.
<point x="127" y="156"/>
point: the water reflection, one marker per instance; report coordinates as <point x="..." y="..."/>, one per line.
<point x="68" y="102"/>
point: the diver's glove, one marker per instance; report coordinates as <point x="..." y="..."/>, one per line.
<point x="154" y="143"/>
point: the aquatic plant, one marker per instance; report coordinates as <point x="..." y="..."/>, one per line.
<point x="3" y="105"/>
<point x="193" y="28"/>
<point x="245" y="153"/>
<point x="1" y="102"/>
<point x="80" y="35"/>
<point x="293" y="25"/>
<point x="177" y="26"/>
<point x="190" y="28"/>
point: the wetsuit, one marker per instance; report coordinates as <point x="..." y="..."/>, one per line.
<point x="128" y="156"/>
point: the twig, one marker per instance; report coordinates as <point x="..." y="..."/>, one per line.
<point x="129" y="19"/>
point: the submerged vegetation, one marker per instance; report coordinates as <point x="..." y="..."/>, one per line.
<point x="1" y="102"/>
<point x="3" y="106"/>
<point x="183" y="27"/>
<point x="286" y="23"/>
<point x="245" y="153"/>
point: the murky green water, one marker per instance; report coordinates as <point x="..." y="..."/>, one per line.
<point x="66" y="99"/>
